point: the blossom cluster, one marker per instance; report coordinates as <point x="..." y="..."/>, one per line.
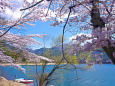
<point x="57" y="11"/>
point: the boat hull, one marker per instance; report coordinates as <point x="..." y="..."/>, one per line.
<point x="21" y="80"/>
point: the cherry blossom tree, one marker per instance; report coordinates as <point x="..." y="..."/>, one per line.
<point x="95" y="15"/>
<point x="12" y="18"/>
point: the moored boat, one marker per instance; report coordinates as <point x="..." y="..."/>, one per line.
<point x="22" y="80"/>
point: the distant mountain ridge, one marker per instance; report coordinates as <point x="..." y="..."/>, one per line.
<point x="55" y="51"/>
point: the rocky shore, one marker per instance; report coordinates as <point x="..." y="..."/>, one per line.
<point x="5" y="82"/>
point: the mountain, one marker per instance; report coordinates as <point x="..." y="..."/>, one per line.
<point x="55" y="51"/>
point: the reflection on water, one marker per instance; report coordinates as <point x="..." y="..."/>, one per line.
<point x="97" y="76"/>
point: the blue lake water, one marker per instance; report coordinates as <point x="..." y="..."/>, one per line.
<point x="96" y="76"/>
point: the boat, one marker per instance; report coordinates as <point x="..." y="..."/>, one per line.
<point x="22" y="80"/>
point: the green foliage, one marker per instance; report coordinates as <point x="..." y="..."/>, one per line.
<point x="48" y="53"/>
<point x="9" y="52"/>
<point x="58" y="40"/>
<point x="4" y="48"/>
<point x="57" y="59"/>
<point x="12" y="54"/>
<point x="73" y="60"/>
<point x="23" y="59"/>
<point x="84" y="55"/>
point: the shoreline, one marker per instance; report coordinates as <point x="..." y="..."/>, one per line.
<point x="8" y="64"/>
<point x="5" y="82"/>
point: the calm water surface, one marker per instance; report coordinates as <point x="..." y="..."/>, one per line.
<point x="96" y="76"/>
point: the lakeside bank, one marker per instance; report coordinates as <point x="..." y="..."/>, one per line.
<point x="8" y="64"/>
<point x="5" y="82"/>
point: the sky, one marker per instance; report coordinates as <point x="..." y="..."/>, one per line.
<point x="43" y="28"/>
<point x="39" y="28"/>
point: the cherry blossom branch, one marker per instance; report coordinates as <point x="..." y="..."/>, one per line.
<point x="110" y="9"/>
<point x="83" y="5"/>
<point x="32" y="5"/>
<point x="49" y="7"/>
<point x="8" y="29"/>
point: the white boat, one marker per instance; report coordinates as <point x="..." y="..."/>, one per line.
<point x="22" y="80"/>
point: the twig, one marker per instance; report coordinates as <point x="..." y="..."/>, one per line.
<point x="32" y="5"/>
<point x="49" y="7"/>
<point x="8" y="29"/>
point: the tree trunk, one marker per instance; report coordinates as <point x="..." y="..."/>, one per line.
<point x="109" y="51"/>
<point x="98" y="22"/>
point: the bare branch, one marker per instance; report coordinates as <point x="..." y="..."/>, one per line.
<point x="8" y="29"/>
<point x="32" y="5"/>
<point x="70" y="8"/>
<point x="49" y="7"/>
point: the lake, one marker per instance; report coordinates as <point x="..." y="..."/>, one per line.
<point x="103" y="75"/>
